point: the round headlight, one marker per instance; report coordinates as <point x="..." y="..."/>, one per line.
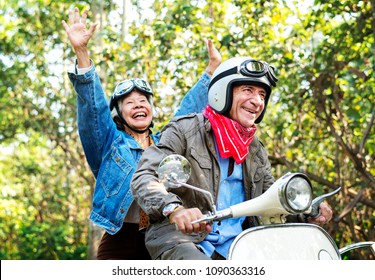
<point x="298" y="194"/>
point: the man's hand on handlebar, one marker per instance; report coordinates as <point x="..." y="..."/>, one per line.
<point x="324" y="217"/>
<point x="183" y="219"/>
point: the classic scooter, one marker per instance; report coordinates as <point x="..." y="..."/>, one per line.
<point x="274" y="239"/>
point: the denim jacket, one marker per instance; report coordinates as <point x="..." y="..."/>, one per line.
<point x="112" y="154"/>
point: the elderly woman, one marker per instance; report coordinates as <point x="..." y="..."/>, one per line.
<point x="114" y="138"/>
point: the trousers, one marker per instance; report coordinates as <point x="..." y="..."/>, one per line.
<point x="127" y="244"/>
<point x="188" y="251"/>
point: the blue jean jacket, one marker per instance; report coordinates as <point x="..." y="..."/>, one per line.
<point x="112" y="154"/>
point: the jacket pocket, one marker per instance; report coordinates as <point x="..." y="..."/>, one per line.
<point x="201" y="158"/>
<point x="115" y="173"/>
<point x="259" y="174"/>
<point x="260" y="164"/>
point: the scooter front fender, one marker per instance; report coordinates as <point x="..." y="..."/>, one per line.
<point x="284" y="242"/>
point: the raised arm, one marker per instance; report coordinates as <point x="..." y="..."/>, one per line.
<point x="79" y="36"/>
<point x="197" y="97"/>
<point x="214" y="57"/>
<point x="93" y="116"/>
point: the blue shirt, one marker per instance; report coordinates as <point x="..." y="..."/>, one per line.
<point x="231" y="192"/>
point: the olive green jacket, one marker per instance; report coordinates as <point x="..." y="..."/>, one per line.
<point x="192" y="137"/>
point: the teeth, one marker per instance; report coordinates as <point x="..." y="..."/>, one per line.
<point x="139" y="115"/>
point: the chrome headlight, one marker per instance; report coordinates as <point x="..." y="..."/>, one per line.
<point x="296" y="193"/>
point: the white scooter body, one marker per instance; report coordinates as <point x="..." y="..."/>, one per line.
<point x="274" y="239"/>
<point x="284" y="242"/>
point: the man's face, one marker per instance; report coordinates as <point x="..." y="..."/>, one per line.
<point x="248" y="104"/>
<point x="136" y="110"/>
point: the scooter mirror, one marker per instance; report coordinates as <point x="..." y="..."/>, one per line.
<point x="174" y="170"/>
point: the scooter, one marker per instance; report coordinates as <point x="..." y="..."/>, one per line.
<point x="274" y="239"/>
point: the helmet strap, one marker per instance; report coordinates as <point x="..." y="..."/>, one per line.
<point x="222" y="75"/>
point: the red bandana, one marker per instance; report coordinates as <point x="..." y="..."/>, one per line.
<point x="232" y="138"/>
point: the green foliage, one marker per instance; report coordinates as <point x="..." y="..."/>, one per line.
<point x="320" y="118"/>
<point x="44" y="203"/>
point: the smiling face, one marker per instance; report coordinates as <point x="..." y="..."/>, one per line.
<point x="136" y="110"/>
<point x="248" y="104"/>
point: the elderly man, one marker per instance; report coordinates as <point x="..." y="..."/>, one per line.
<point x="227" y="160"/>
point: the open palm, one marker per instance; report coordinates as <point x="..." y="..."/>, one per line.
<point x="78" y="35"/>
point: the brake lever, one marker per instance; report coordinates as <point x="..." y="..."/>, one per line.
<point x="315" y="209"/>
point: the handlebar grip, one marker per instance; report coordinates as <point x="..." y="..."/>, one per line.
<point x="315" y="211"/>
<point x="315" y="206"/>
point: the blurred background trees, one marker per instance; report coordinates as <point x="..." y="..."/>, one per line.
<point x="320" y="119"/>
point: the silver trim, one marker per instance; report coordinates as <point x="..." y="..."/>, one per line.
<point x="282" y="193"/>
<point x="358" y="245"/>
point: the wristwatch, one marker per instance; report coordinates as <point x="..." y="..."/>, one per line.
<point x="169" y="208"/>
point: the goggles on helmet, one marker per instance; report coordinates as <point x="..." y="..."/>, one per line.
<point x="255" y="68"/>
<point x="127" y="86"/>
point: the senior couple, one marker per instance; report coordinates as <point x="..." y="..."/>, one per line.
<point x="214" y="128"/>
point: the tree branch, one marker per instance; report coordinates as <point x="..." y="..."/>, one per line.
<point x="349" y="207"/>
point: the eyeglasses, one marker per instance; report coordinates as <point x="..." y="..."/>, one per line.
<point x="127" y="86"/>
<point x="255" y="68"/>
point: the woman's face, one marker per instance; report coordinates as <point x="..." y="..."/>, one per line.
<point x="248" y="104"/>
<point x="136" y="110"/>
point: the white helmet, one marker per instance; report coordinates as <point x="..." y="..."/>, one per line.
<point x="239" y="70"/>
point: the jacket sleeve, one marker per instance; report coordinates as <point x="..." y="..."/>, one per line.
<point x="94" y="119"/>
<point x="196" y="99"/>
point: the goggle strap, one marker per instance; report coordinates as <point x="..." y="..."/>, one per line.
<point x="222" y="75"/>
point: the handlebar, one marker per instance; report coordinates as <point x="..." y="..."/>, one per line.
<point x="215" y="217"/>
<point x="314" y="211"/>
